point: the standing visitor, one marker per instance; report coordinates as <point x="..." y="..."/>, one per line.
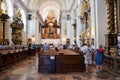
<point x="99" y="58"/>
<point x="46" y="47"/>
<point x="33" y="48"/>
<point x="87" y="52"/>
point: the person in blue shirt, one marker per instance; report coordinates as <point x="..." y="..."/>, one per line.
<point x="33" y="47"/>
<point x="46" y="47"/>
<point x="99" y="58"/>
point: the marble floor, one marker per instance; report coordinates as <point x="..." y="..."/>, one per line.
<point x="28" y="70"/>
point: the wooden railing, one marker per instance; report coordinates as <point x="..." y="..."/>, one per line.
<point x="112" y="64"/>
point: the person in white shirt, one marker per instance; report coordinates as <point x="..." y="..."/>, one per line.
<point x="87" y="52"/>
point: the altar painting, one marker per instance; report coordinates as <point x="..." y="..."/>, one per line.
<point x="50" y="28"/>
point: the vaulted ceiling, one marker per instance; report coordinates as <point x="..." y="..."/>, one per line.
<point x="64" y="4"/>
<point x="44" y="6"/>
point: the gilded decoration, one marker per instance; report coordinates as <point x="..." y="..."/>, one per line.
<point x="3" y="28"/>
<point x="85" y="19"/>
<point x="50" y="29"/>
<point x="110" y="16"/>
<point x="17" y="26"/>
<point x="112" y="27"/>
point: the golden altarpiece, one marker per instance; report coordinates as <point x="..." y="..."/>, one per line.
<point x="17" y="27"/>
<point x="112" y="59"/>
<point x="85" y="35"/>
<point x="112" y="28"/>
<point x="3" y="27"/>
<point x="50" y="29"/>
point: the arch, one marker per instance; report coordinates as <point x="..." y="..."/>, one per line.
<point x="47" y="6"/>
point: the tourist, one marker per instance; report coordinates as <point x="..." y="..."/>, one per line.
<point x="46" y="47"/>
<point x="99" y="58"/>
<point x="33" y="47"/>
<point x="29" y="50"/>
<point x="87" y="52"/>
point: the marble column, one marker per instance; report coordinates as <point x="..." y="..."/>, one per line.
<point x="68" y="28"/>
<point x="93" y="22"/>
<point x="63" y="31"/>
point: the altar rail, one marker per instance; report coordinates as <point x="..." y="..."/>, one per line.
<point x="112" y="65"/>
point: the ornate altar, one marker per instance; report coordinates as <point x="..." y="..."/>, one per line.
<point x="50" y="29"/>
<point x="17" y="26"/>
<point x="111" y="44"/>
<point x="3" y="28"/>
<point x="111" y="36"/>
<point x="86" y="23"/>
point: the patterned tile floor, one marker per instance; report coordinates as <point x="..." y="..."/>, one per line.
<point x="28" y="70"/>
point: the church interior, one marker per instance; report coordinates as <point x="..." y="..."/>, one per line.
<point x="44" y="39"/>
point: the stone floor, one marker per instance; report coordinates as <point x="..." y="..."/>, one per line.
<point x="28" y="70"/>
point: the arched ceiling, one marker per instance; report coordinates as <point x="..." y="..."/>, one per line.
<point x="64" y="4"/>
<point x="48" y="6"/>
<point x="44" y="6"/>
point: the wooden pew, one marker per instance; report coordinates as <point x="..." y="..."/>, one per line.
<point x="61" y="61"/>
<point x="1" y="62"/>
<point x="8" y="57"/>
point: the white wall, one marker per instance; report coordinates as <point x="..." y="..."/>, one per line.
<point x="10" y="14"/>
<point x="63" y="29"/>
<point x="50" y="41"/>
<point x="101" y="22"/>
